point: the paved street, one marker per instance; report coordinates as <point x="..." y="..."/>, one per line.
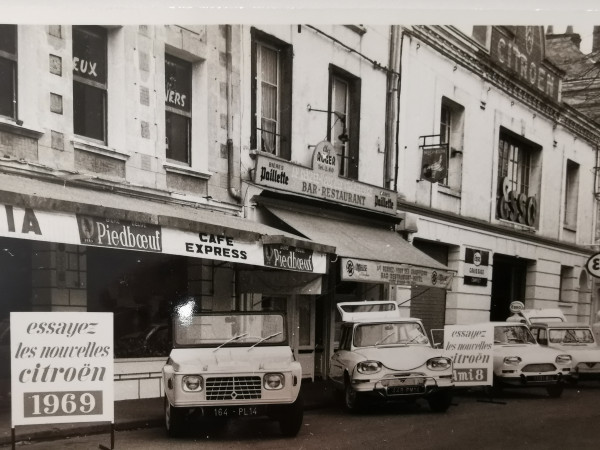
<point x="522" y="419"/>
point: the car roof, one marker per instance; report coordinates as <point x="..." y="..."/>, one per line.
<point x="561" y="325"/>
<point x="369" y="311"/>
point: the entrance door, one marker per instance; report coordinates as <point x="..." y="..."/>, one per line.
<point x="508" y="284"/>
<point x="301" y="310"/>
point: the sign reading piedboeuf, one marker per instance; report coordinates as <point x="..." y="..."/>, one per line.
<point x="323" y="181"/>
<point x="61" y="367"/>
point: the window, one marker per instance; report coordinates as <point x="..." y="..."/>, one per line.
<point x="178" y="101"/>
<point x="271" y="95"/>
<point x="89" y="82"/>
<point x="514" y="163"/>
<point x="8" y="71"/>
<point x="451" y="134"/>
<point x="571" y="194"/>
<point x="344" y="119"/>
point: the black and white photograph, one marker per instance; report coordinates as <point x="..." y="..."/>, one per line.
<point x="299" y="225"/>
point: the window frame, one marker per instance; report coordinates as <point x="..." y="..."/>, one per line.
<point x="350" y="153"/>
<point x="259" y="40"/>
<point x="86" y="83"/>
<point x="517" y="168"/>
<point x="572" y="170"/>
<point x="180" y="112"/>
<point x="13" y="59"/>
<point x="452" y="134"/>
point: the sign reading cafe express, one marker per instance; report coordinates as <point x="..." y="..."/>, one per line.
<point x="322" y="181"/>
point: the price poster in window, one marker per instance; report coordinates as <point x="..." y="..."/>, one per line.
<point x="61" y="367"/>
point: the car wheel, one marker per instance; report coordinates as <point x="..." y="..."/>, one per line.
<point x="440" y="401"/>
<point x="174" y="418"/>
<point x="291" y="419"/>
<point x="555" y="391"/>
<point x="352" y="399"/>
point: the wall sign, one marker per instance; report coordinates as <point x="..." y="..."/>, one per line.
<point x="287" y="257"/>
<point x="119" y="233"/>
<point x="593" y="265"/>
<point x="322" y="181"/>
<point x="515" y="206"/>
<point x="476" y="268"/>
<point x="471" y="349"/>
<point x="61" y="367"/>
<point x="398" y="274"/>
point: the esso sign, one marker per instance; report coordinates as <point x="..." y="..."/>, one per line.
<point x="593" y="265"/>
<point x="516" y="307"/>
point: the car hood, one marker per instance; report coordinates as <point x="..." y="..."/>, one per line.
<point x="531" y="353"/>
<point x="238" y="359"/>
<point x="399" y="357"/>
<point x="581" y="353"/>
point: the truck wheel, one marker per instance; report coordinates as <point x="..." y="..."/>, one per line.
<point x="291" y="418"/>
<point x="352" y="399"/>
<point x="440" y="401"/>
<point x="555" y="391"/>
<point x="174" y="418"/>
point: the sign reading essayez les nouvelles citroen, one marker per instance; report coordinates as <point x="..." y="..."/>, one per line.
<point x="323" y="181"/>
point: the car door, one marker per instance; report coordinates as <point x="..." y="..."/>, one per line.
<point x="336" y="365"/>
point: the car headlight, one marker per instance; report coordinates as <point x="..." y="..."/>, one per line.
<point x="273" y="381"/>
<point x="439" y="363"/>
<point x="512" y="360"/>
<point x="368" y="367"/>
<point x="563" y="359"/>
<point x="192" y="383"/>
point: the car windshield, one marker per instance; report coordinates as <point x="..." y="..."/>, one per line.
<point x="512" y="334"/>
<point x="571" y="336"/>
<point x="240" y="329"/>
<point x="374" y="334"/>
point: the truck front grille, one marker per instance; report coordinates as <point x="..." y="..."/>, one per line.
<point x="539" y="368"/>
<point x="233" y="388"/>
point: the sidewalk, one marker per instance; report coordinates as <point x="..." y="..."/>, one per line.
<point x="130" y="414"/>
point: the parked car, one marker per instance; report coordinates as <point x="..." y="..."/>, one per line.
<point x="534" y="315"/>
<point x="577" y="340"/>
<point x="231" y="365"/>
<point x="519" y="361"/>
<point x="387" y="358"/>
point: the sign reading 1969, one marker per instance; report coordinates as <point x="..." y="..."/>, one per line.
<point x="38" y="404"/>
<point x="593" y="265"/>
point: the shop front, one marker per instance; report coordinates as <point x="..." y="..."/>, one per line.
<point x="68" y="248"/>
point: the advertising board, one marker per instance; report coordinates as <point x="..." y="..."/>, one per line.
<point x="471" y="349"/>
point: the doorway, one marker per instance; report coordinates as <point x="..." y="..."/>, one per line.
<point x="509" y="278"/>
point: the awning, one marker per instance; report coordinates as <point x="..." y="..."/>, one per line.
<point x="42" y="210"/>
<point x="369" y="253"/>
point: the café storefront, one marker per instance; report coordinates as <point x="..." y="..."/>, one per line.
<point x="68" y="248"/>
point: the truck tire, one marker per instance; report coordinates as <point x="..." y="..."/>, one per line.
<point x="291" y="418"/>
<point x="174" y="419"/>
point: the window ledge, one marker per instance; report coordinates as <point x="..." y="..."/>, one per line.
<point x="185" y="170"/>
<point x="449" y="191"/>
<point x="92" y="147"/>
<point x="569" y="227"/>
<point x="517" y="226"/>
<point x="11" y="126"/>
<point x="358" y="29"/>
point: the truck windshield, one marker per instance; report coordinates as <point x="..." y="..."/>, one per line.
<point x="512" y="334"/>
<point x="229" y="330"/>
<point x="373" y="334"/>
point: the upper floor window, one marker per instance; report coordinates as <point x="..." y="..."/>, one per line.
<point x="516" y="197"/>
<point x="452" y="135"/>
<point x="89" y="82"/>
<point x="571" y="194"/>
<point x="271" y="94"/>
<point x="8" y="71"/>
<point x="178" y="101"/>
<point x="343" y="124"/>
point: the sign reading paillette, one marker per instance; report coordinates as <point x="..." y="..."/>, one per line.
<point x="470" y="347"/>
<point x="61" y="367"/>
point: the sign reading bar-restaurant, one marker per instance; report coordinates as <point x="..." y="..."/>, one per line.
<point x="398" y="274"/>
<point x="323" y="181"/>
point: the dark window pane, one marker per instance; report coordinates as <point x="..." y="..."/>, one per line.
<point x="7" y="88"/>
<point x="89" y="111"/>
<point x="178" y="137"/>
<point x="89" y="53"/>
<point x="8" y="39"/>
<point x="178" y="83"/>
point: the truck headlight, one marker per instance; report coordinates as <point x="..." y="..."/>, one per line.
<point x="368" y="367"/>
<point x="273" y="381"/>
<point x="512" y="360"/>
<point x="563" y="359"/>
<point x="439" y="363"/>
<point x="192" y="383"/>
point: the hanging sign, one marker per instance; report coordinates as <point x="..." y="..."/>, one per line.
<point x="435" y="163"/>
<point x="61" y="367"/>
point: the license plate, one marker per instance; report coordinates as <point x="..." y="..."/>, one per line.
<point x="405" y="382"/>
<point x="542" y="378"/>
<point x="404" y="390"/>
<point x="235" y="411"/>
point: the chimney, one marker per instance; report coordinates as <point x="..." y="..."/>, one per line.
<point x="550" y="29"/>
<point x="575" y="38"/>
<point x="596" y="39"/>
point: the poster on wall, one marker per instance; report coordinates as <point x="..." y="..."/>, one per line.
<point x="61" y="367"/>
<point x="471" y="349"/>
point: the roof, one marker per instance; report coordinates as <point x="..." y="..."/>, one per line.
<point x="371" y="311"/>
<point x="561" y="325"/>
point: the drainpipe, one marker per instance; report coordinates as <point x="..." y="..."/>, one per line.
<point x="231" y="170"/>
<point x="398" y="92"/>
